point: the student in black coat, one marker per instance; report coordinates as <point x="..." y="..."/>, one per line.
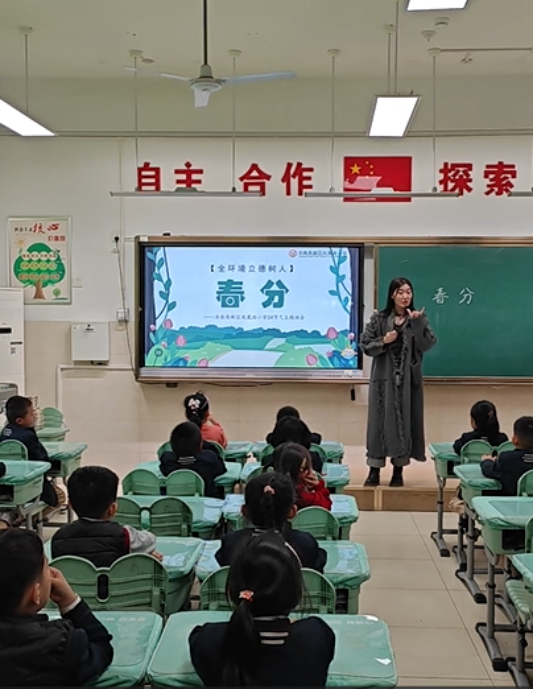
<point x="260" y="646"/>
<point x="269" y="505"/>
<point x="35" y="652"/>
<point x="290" y="411"/>
<point x="20" y="427"/>
<point x="511" y="465"/>
<point x="292" y="430"/>
<point x="484" y="427"/>
<point x="187" y="454"/>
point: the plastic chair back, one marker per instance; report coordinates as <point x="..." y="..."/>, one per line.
<point x="141" y="482"/>
<point x="171" y="517"/>
<point x="528" y="537"/>
<point x="13" y="450"/>
<point x="164" y="448"/>
<point x="474" y="450"/>
<point x="52" y="418"/>
<point x="213" y="591"/>
<point x="319" y="594"/>
<point x="524" y="485"/>
<point x="321" y="452"/>
<point x="128" y="513"/>
<point x="216" y="448"/>
<point x="268" y="450"/>
<point x="255" y="473"/>
<point x="136" y="581"/>
<point x="184" y="483"/>
<point x="504" y="447"/>
<point x="317" y="521"/>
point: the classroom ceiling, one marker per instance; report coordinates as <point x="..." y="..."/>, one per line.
<point x="91" y="38"/>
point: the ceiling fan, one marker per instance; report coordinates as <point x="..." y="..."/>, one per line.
<point x="206" y="84"/>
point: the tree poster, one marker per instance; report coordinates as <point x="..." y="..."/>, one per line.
<point x="39" y="259"/>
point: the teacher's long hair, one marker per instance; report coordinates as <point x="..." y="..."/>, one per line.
<point x="395" y="284"/>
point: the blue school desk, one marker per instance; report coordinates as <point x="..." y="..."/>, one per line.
<point x="238" y="451"/>
<point x="363" y="659"/>
<point x="64" y="457"/>
<point x="21" y="488"/>
<point x="335" y="476"/>
<point x="445" y="459"/>
<point x="334" y="450"/>
<point x="347" y="568"/>
<point x="135" y="636"/>
<point x="502" y="518"/>
<point x="227" y="480"/>
<point x="52" y="433"/>
<point x="344" y="508"/>
<point x="207" y="512"/>
<point x="473" y="483"/>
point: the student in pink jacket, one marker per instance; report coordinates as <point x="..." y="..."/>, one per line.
<point x="197" y="410"/>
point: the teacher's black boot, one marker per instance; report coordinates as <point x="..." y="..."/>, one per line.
<point x="396" y="478"/>
<point x="373" y="478"/>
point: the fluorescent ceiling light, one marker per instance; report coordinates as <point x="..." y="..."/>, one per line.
<point x="392" y="115"/>
<point x="13" y="119"/>
<point x="414" y="5"/>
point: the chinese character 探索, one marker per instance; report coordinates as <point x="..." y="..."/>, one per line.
<point x="230" y="293"/>
<point x="456" y="177"/>
<point x="275" y="293"/>
<point x="467" y="296"/>
<point x="440" y="296"/>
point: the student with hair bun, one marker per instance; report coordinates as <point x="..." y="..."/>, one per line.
<point x="260" y="646"/>
<point x="197" y="410"/>
<point x="270" y="505"/>
<point x="484" y="426"/>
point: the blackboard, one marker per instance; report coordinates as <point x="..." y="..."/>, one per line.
<point x="478" y="300"/>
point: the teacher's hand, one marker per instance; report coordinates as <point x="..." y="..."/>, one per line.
<point x="415" y="314"/>
<point x="390" y="337"/>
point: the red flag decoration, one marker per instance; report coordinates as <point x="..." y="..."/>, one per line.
<point x="377" y="173"/>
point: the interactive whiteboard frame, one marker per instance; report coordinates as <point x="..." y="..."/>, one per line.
<point x="245" y="376"/>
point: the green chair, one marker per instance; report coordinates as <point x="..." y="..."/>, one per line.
<point x="521" y="599"/>
<point x="184" y="483"/>
<point x="317" y="521"/>
<point x="474" y="450"/>
<point x="319" y="594"/>
<point x="171" y="517"/>
<point x="504" y="447"/>
<point x="134" y="582"/>
<point x="268" y="450"/>
<point x="212" y="593"/>
<point x="164" y="448"/>
<point x="524" y="485"/>
<point x="13" y="450"/>
<point x="52" y="418"/>
<point x="321" y="452"/>
<point x="141" y="482"/>
<point x="129" y="513"/>
<point x="255" y="473"/>
<point x="220" y="450"/>
<point x="528" y="537"/>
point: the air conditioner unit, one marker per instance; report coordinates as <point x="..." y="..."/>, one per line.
<point x="12" y="338"/>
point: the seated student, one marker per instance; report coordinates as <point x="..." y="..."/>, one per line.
<point x="260" y="647"/>
<point x="20" y="427"/>
<point x="36" y="652"/>
<point x="289" y="411"/>
<point x="187" y="454"/>
<point x="269" y="505"/>
<point x="292" y="430"/>
<point x="295" y="461"/>
<point x="484" y="426"/>
<point x="511" y="465"/>
<point x="197" y="410"/>
<point x="95" y="536"/>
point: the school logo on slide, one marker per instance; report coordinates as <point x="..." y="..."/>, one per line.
<point x="377" y="173"/>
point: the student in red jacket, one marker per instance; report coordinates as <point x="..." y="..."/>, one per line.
<point x="310" y="489"/>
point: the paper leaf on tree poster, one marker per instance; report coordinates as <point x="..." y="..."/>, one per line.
<point x="39" y="259"/>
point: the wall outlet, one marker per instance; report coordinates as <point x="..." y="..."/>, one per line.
<point x="123" y="315"/>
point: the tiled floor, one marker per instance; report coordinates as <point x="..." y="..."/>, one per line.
<point x="430" y="614"/>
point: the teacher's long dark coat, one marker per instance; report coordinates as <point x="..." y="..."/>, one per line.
<point x="395" y="422"/>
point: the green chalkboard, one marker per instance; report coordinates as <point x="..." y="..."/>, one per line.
<point x="478" y="300"/>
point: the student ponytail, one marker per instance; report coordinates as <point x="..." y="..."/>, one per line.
<point x="265" y="579"/>
<point x="269" y="498"/>
<point x="196" y="407"/>
<point x="484" y="416"/>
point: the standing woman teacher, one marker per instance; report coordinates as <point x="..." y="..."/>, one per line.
<point x="396" y="339"/>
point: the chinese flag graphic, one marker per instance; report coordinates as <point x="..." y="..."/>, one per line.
<point x="377" y="173"/>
